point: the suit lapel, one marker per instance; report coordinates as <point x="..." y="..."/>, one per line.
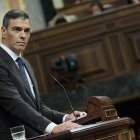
<point x="13" y="68"/>
<point x="32" y="77"/>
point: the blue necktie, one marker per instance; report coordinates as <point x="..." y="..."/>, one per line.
<point x="21" y="65"/>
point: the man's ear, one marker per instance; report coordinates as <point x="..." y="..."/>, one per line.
<point x="3" y="31"/>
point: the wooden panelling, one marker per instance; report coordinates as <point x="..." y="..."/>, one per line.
<point x="117" y="52"/>
<point x="134" y="48"/>
<point x="105" y="46"/>
<point x="82" y="9"/>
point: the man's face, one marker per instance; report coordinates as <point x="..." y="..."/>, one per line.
<point x="17" y="34"/>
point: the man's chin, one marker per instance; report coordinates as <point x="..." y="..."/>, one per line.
<point x="20" y="49"/>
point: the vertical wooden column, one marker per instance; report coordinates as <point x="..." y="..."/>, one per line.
<point x="17" y="4"/>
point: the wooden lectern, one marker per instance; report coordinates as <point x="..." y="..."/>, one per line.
<point x="99" y="108"/>
<point x="109" y="126"/>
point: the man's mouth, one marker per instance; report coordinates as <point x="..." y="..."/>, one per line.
<point x="21" y="43"/>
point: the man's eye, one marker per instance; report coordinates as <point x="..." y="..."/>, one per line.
<point x="27" y="30"/>
<point x="17" y="29"/>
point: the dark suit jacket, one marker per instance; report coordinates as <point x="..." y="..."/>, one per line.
<point x="17" y="105"/>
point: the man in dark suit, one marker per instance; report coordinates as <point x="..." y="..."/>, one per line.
<point x="20" y="103"/>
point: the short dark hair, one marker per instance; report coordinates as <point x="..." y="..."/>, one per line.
<point x="13" y="14"/>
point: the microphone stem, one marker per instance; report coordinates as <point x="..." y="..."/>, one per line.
<point x="66" y="97"/>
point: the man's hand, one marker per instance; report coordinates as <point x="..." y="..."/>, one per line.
<point x="68" y="124"/>
<point x="65" y="127"/>
<point x="78" y="114"/>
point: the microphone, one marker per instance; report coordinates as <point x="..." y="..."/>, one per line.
<point x="67" y="97"/>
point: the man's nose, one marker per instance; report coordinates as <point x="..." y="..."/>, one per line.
<point x="22" y="34"/>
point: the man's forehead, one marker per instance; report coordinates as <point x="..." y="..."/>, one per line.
<point x="20" y="22"/>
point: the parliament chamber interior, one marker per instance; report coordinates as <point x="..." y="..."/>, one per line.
<point x="96" y="57"/>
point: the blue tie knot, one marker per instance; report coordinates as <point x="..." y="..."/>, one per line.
<point x="20" y="61"/>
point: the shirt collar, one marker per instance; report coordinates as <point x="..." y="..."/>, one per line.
<point x="10" y="52"/>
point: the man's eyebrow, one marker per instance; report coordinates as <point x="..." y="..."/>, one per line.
<point x="26" y="28"/>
